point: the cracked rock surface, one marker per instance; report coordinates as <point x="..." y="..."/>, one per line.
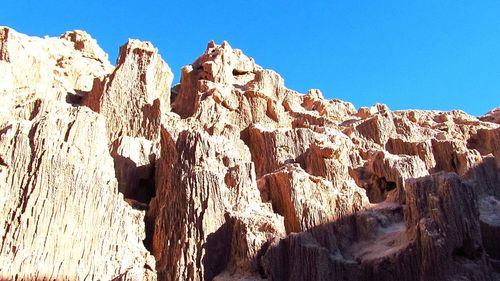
<point x="113" y="173"/>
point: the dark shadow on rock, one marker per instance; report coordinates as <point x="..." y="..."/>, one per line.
<point x="73" y="99"/>
<point x="135" y="182"/>
<point x="485" y="177"/>
<point x="217" y="250"/>
<point x="440" y="239"/>
<point x="76" y="99"/>
<point x="174" y="92"/>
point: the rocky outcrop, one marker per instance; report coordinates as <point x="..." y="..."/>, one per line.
<point x="54" y="68"/>
<point x="207" y="201"/>
<point x="62" y="215"/>
<point x="440" y="239"/>
<point x="132" y="100"/>
<point x="384" y="175"/>
<point x="492" y="116"/>
<point x="106" y="173"/>
<point x="306" y="201"/>
<point x="223" y="83"/>
<point x="489" y="220"/>
<point x="133" y="97"/>
<point x="443" y="218"/>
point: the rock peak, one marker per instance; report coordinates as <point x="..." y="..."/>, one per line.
<point x="135" y="47"/>
<point x="85" y="43"/>
<point x="492" y="116"/>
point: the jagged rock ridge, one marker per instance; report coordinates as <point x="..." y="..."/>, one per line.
<point x="109" y="173"/>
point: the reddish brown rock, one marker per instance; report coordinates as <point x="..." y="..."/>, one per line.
<point x="443" y="217"/>
<point x="489" y="220"/>
<point x="133" y="99"/>
<point x="452" y="156"/>
<point x="134" y="160"/>
<point x="439" y="238"/>
<point x="492" y="116"/>
<point x="421" y="149"/>
<point x="273" y="148"/>
<point x="378" y="127"/>
<point x="385" y="174"/>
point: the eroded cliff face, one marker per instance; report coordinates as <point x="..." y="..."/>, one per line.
<point x="110" y="173"/>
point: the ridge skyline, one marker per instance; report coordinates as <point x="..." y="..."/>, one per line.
<point x="424" y="55"/>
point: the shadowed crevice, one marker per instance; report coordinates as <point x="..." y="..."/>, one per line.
<point x="217" y="250"/>
<point x="135" y="182"/>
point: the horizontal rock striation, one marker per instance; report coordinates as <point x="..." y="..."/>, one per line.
<point x="110" y="173"/>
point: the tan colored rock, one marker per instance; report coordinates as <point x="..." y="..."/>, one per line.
<point x="134" y="162"/>
<point x="53" y="68"/>
<point x="332" y="109"/>
<point x="452" y="125"/>
<point x="206" y="186"/>
<point x="273" y="148"/>
<point x="378" y="127"/>
<point x="224" y="84"/>
<point x="306" y="201"/>
<point x="452" y="156"/>
<point x="385" y="174"/>
<point x="135" y="95"/>
<point x="438" y="238"/>
<point x="251" y="232"/>
<point x="346" y="249"/>
<point x="133" y="99"/>
<point x="243" y="180"/>
<point x="62" y="215"/>
<point x="421" y="149"/>
<point x="330" y="157"/>
<point x="317" y="150"/>
<point x="312" y="109"/>
<point x="85" y="44"/>
<point x="486" y="141"/>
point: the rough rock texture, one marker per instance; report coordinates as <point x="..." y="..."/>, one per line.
<point x="62" y="215"/>
<point x="492" y="116"/>
<point x="207" y="199"/>
<point x="108" y="173"/>
<point x="133" y="97"/>
<point x="53" y="68"/>
<point x="306" y="201"/>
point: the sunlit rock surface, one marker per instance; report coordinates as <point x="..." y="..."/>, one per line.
<point x="110" y="173"/>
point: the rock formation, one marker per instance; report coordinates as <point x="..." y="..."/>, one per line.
<point x="110" y="173"/>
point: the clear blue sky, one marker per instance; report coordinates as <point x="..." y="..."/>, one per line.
<point x="408" y="54"/>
